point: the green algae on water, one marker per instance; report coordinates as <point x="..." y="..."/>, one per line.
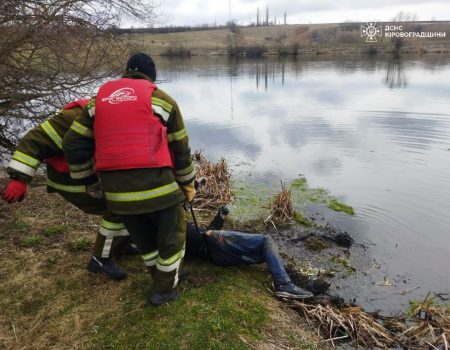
<point x="336" y="205"/>
<point x="251" y="200"/>
<point x="303" y="195"/>
<point x="302" y="220"/>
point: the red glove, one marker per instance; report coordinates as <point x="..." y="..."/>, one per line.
<point x="15" y="191"/>
<point x="58" y="163"/>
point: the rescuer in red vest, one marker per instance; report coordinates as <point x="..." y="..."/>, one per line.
<point x="136" y="134"/>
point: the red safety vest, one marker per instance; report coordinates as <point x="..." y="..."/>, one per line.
<point x="78" y="103"/>
<point x="127" y="133"/>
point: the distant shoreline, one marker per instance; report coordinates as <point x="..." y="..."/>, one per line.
<point x="291" y="40"/>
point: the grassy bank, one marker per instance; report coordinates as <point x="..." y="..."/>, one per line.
<point x="49" y="300"/>
<point x="298" y="39"/>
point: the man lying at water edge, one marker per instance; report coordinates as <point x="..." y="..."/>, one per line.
<point x="231" y="248"/>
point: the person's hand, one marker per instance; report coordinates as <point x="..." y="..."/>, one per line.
<point x="189" y="191"/>
<point x="95" y="190"/>
<point x="16" y="191"/>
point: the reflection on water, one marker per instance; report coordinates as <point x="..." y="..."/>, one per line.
<point x="395" y="75"/>
<point x="375" y="132"/>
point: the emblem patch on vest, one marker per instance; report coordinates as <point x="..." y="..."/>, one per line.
<point x="125" y="94"/>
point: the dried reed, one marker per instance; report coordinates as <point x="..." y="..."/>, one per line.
<point x="348" y="323"/>
<point x="217" y="190"/>
<point x="281" y="207"/>
<point x="430" y="328"/>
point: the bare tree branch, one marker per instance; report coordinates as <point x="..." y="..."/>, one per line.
<point x="53" y="51"/>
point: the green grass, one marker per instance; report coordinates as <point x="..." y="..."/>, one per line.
<point x="16" y="225"/>
<point x="31" y="241"/>
<point x="81" y="244"/>
<point x="217" y="314"/>
<point x="54" y="230"/>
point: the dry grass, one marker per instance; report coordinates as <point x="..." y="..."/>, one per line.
<point x="431" y="330"/>
<point x="349" y="323"/>
<point x="42" y="304"/>
<point x="270" y="37"/>
<point x="217" y="191"/>
<point x="430" y="327"/>
<point x="281" y="208"/>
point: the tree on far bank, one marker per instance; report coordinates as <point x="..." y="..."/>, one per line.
<point x="405" y="17"/>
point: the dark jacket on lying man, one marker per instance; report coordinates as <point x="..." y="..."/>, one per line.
<point x="230" y="248"/>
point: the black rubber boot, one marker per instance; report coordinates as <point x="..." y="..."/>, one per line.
<point x="106" y="266"/>
<point x="131" y="249"/>
<point x="158" y="299"/>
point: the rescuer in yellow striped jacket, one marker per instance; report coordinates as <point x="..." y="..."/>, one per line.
<point x="44" y="144"/>
<point x="149" y="199"/>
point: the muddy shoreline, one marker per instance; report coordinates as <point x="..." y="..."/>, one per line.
<point x="348" y="282"/>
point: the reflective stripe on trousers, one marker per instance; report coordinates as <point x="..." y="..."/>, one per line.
<point x="110" y="230"/>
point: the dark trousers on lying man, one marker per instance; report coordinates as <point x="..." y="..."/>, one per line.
<point x="231" y="248"/>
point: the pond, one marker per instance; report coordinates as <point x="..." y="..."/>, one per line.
<point x="375" y="132"/>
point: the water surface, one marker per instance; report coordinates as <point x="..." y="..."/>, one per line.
<point x="375" y="132"/>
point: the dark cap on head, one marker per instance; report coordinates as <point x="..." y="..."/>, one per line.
<point x="143" y="63"/>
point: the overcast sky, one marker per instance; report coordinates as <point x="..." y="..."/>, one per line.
<point x="197" y="12"/>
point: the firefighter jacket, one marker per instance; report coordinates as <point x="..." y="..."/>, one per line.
<point x="44" y="142"/>
<point x="140" y="190"/>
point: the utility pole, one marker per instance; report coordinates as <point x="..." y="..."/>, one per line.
<point x="257" y="17"/>
<point x="229" y="7"/>
<point x="285" y="18"/>
<point x="267" y="15"/>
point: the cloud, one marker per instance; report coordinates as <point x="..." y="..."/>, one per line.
<point x="195" y="12"/>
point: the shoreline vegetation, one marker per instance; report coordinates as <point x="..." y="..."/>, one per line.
<point x="284" y="40"/>
<point x="48" y="299"/>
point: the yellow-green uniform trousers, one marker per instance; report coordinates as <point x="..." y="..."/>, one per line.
<point x="149" y="200"/>
<point x="45" y="141"/>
